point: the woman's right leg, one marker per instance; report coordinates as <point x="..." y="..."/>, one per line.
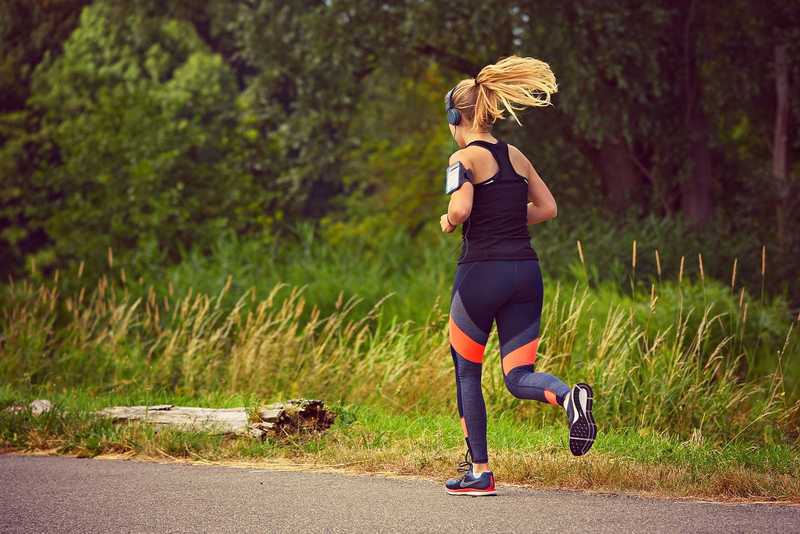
<point x="518" y="327"/>
<point x="518" y="324"/>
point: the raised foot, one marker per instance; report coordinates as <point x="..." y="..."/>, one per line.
<point x="582" y="428"/>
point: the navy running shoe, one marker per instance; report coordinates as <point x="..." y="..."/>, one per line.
<point x="582" y="428"/>
<point x="469" y="484"/>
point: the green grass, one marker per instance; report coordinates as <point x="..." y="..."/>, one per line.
<point x="664" y="360"/>
<point x="417" y="270"/>
<point x="699" y="378"/>
<point x="370" y="439"/>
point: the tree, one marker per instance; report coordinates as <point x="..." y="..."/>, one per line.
<point x="312" y="60"/>
<point x="28" y="30"/>
<point x="142" y="142"/>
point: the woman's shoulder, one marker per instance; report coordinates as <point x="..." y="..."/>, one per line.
<point x="466" y="155"/>
<point x="519" y="161"/>
<point x="514" y="151"/>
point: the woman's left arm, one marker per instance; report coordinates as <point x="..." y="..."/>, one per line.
<point x="460" y="205"/>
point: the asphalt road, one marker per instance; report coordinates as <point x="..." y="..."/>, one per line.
<point x="61" y="494"/>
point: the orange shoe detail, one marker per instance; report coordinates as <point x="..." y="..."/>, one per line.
<point x="550" y="396"/>
<point x="465" y="345"/>
<point x="524" y="355"/>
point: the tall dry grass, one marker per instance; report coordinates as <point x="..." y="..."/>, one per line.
<point x="691" y="377"/>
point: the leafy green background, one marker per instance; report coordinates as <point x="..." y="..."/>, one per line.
<point x="154" y="130"/>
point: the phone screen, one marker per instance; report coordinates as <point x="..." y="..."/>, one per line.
<point x="453" y="174"/>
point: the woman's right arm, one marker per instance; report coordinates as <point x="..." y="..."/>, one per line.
<point x="542" y="205"/>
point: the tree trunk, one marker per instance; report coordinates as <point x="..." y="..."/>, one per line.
<point x="696" y="186"/>
<point x="621" y="180"/>
<point x="696" y="190"/>
<point x="780" y="155"/>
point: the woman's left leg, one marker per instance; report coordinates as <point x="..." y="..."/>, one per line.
<point x="470" y="322"/>
<point x="478" y="289"/>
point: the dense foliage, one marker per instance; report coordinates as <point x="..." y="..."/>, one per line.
<point x="240" y="199"/>
<point x="305" y="320"/>
<point x="152" y="128"/>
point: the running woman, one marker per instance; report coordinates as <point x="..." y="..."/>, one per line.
<point x="497" y="276"/>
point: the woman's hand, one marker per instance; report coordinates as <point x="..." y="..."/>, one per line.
<point x="445" y="224"/>
<point x="537" y="214"/>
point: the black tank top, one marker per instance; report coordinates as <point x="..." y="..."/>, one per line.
<point x="497" y="227"/>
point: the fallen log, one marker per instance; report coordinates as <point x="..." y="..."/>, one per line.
<point x="294" y="416"/>
<point x="222" y="421"/>
<point x="37" y="407"/>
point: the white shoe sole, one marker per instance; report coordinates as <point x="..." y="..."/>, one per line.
<point x="583" y="431"/>
<point x="474" y="493"/>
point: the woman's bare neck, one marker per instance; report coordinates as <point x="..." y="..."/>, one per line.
<point x="479" y="136"/>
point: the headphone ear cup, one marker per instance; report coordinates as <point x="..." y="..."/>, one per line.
<point x="453" y="116"/>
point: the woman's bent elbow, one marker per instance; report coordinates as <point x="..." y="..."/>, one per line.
<point x="460" y="215"/>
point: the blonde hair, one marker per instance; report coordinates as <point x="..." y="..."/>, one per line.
<point x="524" y="81"/>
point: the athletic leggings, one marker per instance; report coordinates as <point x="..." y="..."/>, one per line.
<point x="509" y="292"/>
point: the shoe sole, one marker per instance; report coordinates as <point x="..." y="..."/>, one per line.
<point x="473" y="492"/>
<point x="583" y="432"/>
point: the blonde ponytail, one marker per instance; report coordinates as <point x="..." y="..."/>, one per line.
<point x="513" y="82"/>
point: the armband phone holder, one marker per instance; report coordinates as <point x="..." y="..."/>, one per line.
<point x="457" y="175"/>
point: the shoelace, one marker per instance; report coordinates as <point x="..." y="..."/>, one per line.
<point x="466" y="465"/>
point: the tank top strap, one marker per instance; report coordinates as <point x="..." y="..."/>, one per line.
<point x="500" y="152"/>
